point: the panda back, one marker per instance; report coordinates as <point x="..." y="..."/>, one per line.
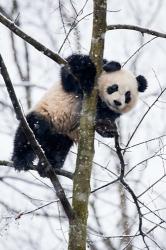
<point x="61" y="109"/>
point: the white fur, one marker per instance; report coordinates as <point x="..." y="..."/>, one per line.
<point x="62" y="109"/>
<point x="126" y="81"/>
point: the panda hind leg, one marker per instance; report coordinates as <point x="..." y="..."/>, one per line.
<point x="23" y="155"/>
<point x="56" y="147"/>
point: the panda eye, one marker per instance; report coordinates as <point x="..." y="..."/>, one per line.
<point x="127" y="97"/>
<point x="112" y="89"/>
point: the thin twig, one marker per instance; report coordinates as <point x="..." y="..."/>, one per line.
<point x="140" y="143"/>
<point x="34" y="210"/>
<point x="103" y="186"/>
<point x="156" y="100"/>
<point x="136" y="28"/>
<point x="135" y="52"/>
<point x="13" y="210"/>
<point x="127" y="187"/>
<point x="151" y="186"/>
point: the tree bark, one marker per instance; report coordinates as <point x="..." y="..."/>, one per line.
<point x="81" y="182"/>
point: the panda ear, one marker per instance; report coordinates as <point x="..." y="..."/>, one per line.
<point x="111" y="66"/>
<point x="142" y="83"/>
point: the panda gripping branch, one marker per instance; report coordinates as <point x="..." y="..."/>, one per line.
<point x="55" y="118"/>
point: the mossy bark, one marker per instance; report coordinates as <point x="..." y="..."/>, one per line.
<point x="81" y="181"/>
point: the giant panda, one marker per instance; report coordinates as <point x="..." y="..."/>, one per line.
<point x="55" y="118"/>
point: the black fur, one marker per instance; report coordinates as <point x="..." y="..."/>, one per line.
<point x="104" y="112"/>
<point x="56" y="146"/>
<point x="104" y="119"/>
<point x="105" y="61"/>
<point x="69" y="82"/>
<point x="77" y="78"/>
<point x="142" y="83"/>
<point x="112" y="66"/>
<point x="127" y="97"/>
<point x="80" y="76"/>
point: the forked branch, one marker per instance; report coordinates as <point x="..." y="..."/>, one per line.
<point x="127" y="187"/>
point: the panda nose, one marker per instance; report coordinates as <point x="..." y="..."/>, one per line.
<point x="117" y="103"/>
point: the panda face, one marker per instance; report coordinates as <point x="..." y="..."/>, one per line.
<point x="119" y="90"/>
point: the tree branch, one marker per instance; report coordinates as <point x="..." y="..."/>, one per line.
<point x="61" y="172"/>
<point x="14" y="28"/>
<point x="127" y="187"/>
<point x="34" y="143"/>
<point x="136" y="28"/>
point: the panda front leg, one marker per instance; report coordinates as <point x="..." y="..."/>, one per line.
<point x="78" y="76"/>
<point x="106" y="128"/>
<point x="105" y="120"/>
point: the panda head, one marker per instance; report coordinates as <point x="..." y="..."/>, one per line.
<point x="119" y="88"/>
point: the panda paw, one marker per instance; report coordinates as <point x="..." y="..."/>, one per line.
<point x="106" y="128"/>
<point x="80" y="75"/>
<point x="81" y="64"/>
<point x="21" y="164"/>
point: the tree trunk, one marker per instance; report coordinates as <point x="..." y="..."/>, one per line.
<point x="81" y="182"/>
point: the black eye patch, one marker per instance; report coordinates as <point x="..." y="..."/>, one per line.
<point x="127" y="97"/>
<point x="112" y="89"/>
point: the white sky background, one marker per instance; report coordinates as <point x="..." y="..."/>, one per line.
<point x="41" y="20"/>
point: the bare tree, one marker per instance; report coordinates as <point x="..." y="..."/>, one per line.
<point x="126" y="208"/>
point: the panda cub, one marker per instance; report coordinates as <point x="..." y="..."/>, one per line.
<point x="55" y="118"/>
